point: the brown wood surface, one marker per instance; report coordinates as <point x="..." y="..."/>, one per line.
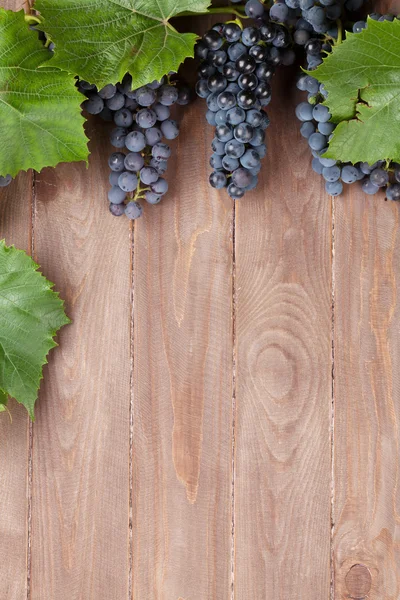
<point x="187" y="444"/>
<point x="283" y="374"/>
<point x="183" y="383"/>
<point x="15" y="228"/>
<point x="367" y="393"/>
<point x="80" y="494"/>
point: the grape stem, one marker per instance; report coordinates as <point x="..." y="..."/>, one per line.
<point x="340" y="32"/>
<point x="218" y="10"/>
<point x="32" y="20"/>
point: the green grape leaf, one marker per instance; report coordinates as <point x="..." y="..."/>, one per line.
<point x="362" y="78"/>
<point x="30" y="315"/>
<point x="101" y="40"/>
<point x="40" y="115"/>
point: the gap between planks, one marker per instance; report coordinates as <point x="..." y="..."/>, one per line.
<point x="332" y="416"/>
<point x="233" y="395"/>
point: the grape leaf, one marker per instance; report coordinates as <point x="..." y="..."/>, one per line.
<point x="101" y="40"/>
<point x="362" y="78"/>
<point x="40" y="115"/>
<point x="30" y="315"/>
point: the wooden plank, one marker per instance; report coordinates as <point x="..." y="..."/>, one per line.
<point x="15" y="228"/>
<point x="80" y="513"/>
<point x="367" y="393"/>
<point x="183" y="382"/>
<point x="283" y="393"/>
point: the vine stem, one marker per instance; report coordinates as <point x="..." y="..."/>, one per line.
<point x="340" y="32"/>
<point x="218" y="10"/>
<point x="31" y="19"/>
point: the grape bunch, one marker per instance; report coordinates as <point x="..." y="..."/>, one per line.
<point x="317" y="128"/>
<point x="235" y="72"/>
<point x="142" y="119"/>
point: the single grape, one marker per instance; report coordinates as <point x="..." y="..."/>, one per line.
<point x="317" y="166"/>
<point x="160" y="186"/>
<point x="218" y="179"/>
<point x="236" y="50"/>
<point x="212" y="103"/>
<point x="261" y="150"/>
<point x="235" y="192"/>
<point x="219" y="117"/>
<point x="235" y="115"/>
<point x="153" y="135"/>
<point x="232" y="32"/>
<point x="379" y="177"/>
<point x="264" y="71"/>
<point x="201" y="89"/>
<point x="279" y="12"/>
<point x="117" y="210"/>
<point x="234" y="148"/>
<point x="5" y="180"/>
<point x="134" y="161"/>
<point x="224" y="132"/>
<point x="116" y="102"/>
<point x="226" y="100"/>
<point x="212" y="40"/>
<point x="148" y="175"/>
<point x="159" y="165"/>
<point x="229" y="71"/>
<point x="246" y="99"/>
<point x="184" y="95"/>
<point x="242" y="177"/>
<point x="307" y="128"/>
<point x="311" y="84"/>
<point x="167" y="95"/>
<point x="108" y="91"/>
<point x="369" y="188"/>
<point x="250" y="36"/>
<point x="245" y="64"/>
<point x="334" y="188"/>
<point x="232" y="87"/>
<point x="229" y="163"/>
<point x="116" y="161"/>
<point x="170" y="129"/>
<point x="331" y="173"/>
<point x="123" y="117"/>
<point x="161" y="151"/>
<point x="317" y="141"/>
<point x="259" y="53"/>
<point x="218" y="147"/>
<point x="349" y="174"/>
<point x="301" y="37"/>
<point x="201" y="50"/>
<point x="321" y="113"/>
<point x="327" y="162"/>
<point x="116" y="195"/>
<point x="216" y="161"/>
<point x="133" y="210"/>
<point x="250" y="159"/>
<point x="217" y="58"/>
<point x="217" y="83"/>
<point x="127" y="181"/>
<point x="393" y="192"/>
<point x="258" y="137"/>
<point x="151" y="197"/>
<point x="93" y="105"/>
<point x="146" y="117"/>
<point x="243" y="132"/>
<point x="254" y="117"/>
<point x="248" y="81"/>
<point x="145" y="96"/>
<point x="304" y="111"/>
<point x="254" y="9"/>
<point x="326" y="128"/>
<point x="135" y="141"/>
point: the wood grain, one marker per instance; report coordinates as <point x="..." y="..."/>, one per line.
<point x="183" y="383"/>
<point x="15" y="228"/>
<point x="367" y="395"/>
<point x="80" y="509"/>
<point x="283" y="395"/>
